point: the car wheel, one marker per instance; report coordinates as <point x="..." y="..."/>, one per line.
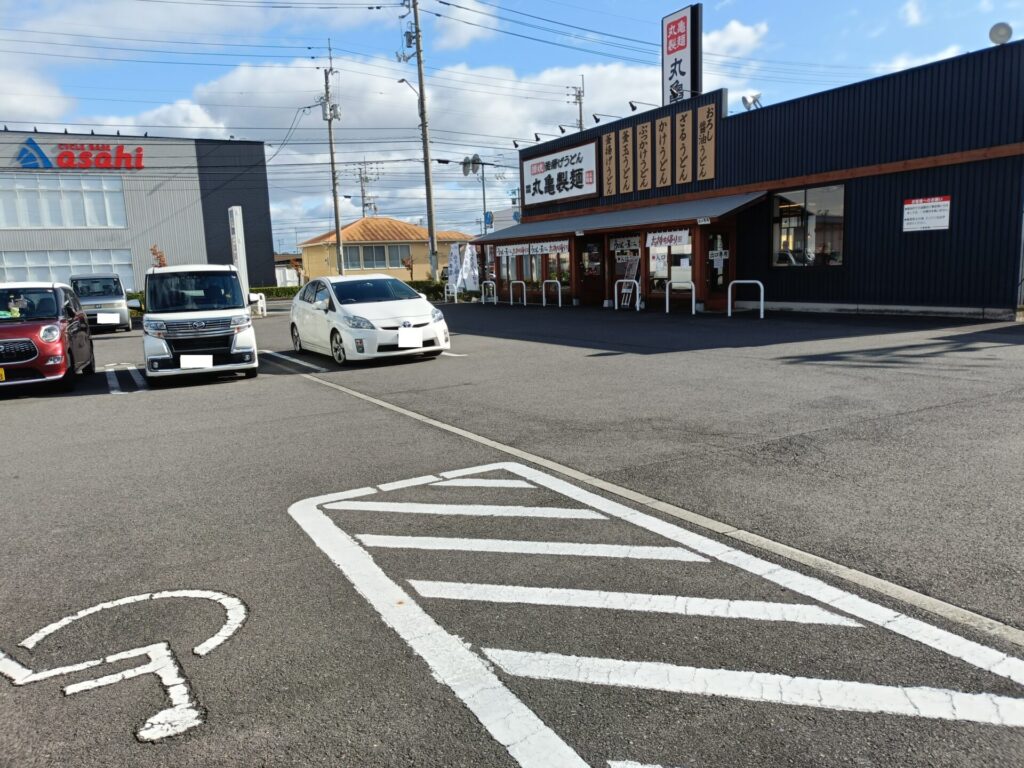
<point x="337" y="348"/>
<point x="127" y="328"/>
<point x="296" y="339"/>
<point x="90" y="369"/>
<point x="432" y="355"/>
<point x="251" y="374"/>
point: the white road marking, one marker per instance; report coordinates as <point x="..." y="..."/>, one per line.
<point x="514" y="725"/>
<point x="452" y="354"/>
<point x="410" y="483"/>
<point x="475" y="510"/>
<point x="627" y="601"/>
<point x="924" y="702"/>
<point x="183" y="713"/>
<point x="927" y="603"/>
<point x="560" y="548"/>
<point x="291" y="359"/>
<point x="112" y="384"/>
<point x="481" y="483"/>
<point x="137" y="377"/>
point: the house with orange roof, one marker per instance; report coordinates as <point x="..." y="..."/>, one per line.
<point x="378" y="244"/>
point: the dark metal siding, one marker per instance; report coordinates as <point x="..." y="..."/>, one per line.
<point x="235" y="173"/>
<point x="976" y="263"/>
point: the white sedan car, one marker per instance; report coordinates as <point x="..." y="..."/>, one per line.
<point x="365" y="317"/>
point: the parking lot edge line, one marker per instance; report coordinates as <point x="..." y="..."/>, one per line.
<point x="948" y="611"/>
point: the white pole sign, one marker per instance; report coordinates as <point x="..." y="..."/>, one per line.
<point x="921" y="214"/>
<point x="563" y="175"/>
<point x="237" y="232"/>
<point x="681" y="54"/>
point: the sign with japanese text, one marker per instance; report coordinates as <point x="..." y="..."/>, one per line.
<point x="663" y="151"/>
<point x="707" y="123"/>
<point x="608" y="165"/>
<point x="681" y="54"/>
<point x="668" y="239"/>
<point x="921" y="214"/>
<point x="626" y="160"/>
<point x="644" y="169"/>
<point x="684" y="151"/>
<point x="625" y="243"/>
<point x="562" y="175"/>
<point x="552" y="246"/>
<point x="519" y="249"/>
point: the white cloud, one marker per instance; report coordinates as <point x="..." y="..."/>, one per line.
<point x="460" y="26"/>
<point x="26" y="95"/>
<point x="912" y="14"/>
<point x="906" y="61"/>
<point x="985" y="6"/>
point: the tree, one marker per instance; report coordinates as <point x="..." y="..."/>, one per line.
<point x="296" y="264"/>
<point x="407" y="263"/>
<point x="159" y="258"/>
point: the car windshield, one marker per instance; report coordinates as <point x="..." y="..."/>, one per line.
<point x="378" y="289"/>
<point x="193" y="291"/>
<point x="89" y="287"/>
<point x="18" y="304"/>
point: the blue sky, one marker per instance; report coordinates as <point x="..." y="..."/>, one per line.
<point x="243" y="68"/>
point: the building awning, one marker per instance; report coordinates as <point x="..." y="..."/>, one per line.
<point x="708" y="207"/>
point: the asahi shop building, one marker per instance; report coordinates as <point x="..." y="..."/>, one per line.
<point x="900" y="194"/>
<point x="73" y="204"/>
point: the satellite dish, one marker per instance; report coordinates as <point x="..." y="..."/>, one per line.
<point x="751" y="102"/>
<point x="1000" y="33"/>
<point x="476" y="163"/>
<point x="746" y="103"/>
<point x="465" y="165"/>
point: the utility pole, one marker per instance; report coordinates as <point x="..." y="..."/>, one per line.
<point x="431" y="231"/>
<point x="577" y="98"/>
<point x="332" y="112"/>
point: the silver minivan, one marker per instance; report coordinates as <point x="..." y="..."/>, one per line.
<point x="104" y="300"/>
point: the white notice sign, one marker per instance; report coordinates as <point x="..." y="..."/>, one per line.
<point x="921" y="214"/>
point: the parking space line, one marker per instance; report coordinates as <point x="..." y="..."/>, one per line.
<point x="469" y="510"/>
<point x="923" y="702"/>
<point x="482" y="483"/>
<point x="557" y="548"/>
<point x="291" y="359"/>
<point x="115" y="388"/>
<point x="410" y="483"/>
<point x="138" y="378"/>
<point x="756" y="610"/>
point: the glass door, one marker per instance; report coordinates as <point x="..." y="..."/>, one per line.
<point x="717" y="260"/>
<point x="591" y="271"/>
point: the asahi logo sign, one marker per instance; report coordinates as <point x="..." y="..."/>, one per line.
<point x="31" y="156"/>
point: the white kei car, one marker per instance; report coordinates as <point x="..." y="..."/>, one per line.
<point x="365" y="317"/>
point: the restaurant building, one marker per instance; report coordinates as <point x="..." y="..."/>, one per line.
<point x="89" y="203"/>
<point x="899" y="194"/>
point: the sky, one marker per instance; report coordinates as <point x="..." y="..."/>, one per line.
<point x="496" y="71"/>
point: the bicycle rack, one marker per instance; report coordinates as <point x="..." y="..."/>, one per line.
<point x="483" y="291"/>
<point x="512" y="285"/>
<point x="693" y="294"/>
<point x="636" y="284"/>
<point x="544" y="292"/>
<point x="758" y="283"/>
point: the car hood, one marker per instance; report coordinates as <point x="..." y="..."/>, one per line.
<point x="378" y="312"/>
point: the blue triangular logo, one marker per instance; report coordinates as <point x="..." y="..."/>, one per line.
<point x="31" y="155"/>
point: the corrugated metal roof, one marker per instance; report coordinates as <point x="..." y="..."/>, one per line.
<point x="381" y="229"/>
<point x="692" y="210"/>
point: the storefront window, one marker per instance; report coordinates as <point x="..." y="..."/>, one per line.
<point x="669" y="255"/>
<point x="532" y="268"/>
<point x="627" y="257"/>
<point x="558" y="267"/>
<point x="807" y="227"/>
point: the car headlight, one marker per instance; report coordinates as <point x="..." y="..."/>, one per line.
<point x="436" y="315"/>
<point x="49" y="333"/>
<point x="354" y="321"/>
<point x="154" y="326"/>
<point x="241" y="321"/>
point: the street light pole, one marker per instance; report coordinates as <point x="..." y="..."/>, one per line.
<point x="431" y="232"/>
<point x="330" y="114"/>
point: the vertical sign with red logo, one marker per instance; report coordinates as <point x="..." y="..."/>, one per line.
<point x="681" y="54"/>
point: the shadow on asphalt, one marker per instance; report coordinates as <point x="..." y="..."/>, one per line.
<point x="652" y="332"/>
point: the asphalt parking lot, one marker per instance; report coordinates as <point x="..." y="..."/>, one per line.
<point x="564" y="543"/>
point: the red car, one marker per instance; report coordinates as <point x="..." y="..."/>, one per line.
<point x="44" y="335"/>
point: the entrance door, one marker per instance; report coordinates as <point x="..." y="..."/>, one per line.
<point x="718" y="258"/>
<point x="591" y="269"/>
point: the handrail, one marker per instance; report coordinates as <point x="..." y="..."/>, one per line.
<point x="483" y="291"/>
<point x="451" y="290"/>
<point x="758" y="283"/>
<point x="511" y="285"/>
<point x="544" y="292"/>
<point x="616" y="291"/>
<point x="693" y="294"/>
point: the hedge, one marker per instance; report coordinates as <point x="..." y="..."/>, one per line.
<point x="277" y="291"/>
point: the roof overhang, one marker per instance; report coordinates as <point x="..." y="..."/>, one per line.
<point x="614" y="221"/>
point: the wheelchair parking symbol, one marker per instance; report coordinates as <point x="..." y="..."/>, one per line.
<point x="183" y="711"/>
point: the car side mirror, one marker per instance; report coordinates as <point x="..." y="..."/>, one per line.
<point x="134" y="304"/>
<point x="321" y="305"/>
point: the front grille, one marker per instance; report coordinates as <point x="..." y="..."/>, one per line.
<point x="17" y="351"/>
<point x="395" y="348"/>
<point x="187" y="328"/>
<point x="209" y="345"/>
<point x="395" y="327"/>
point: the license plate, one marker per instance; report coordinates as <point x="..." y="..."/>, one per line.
<point x="3" y="376"/>
<point x="197" y="361"/>
<point x="410" y="337"/>
<point x="108" y="318"/>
